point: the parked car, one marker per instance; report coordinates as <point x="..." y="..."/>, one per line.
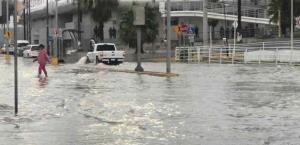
<point x="21" y="44"/>
<point x="31" y="51"/>
<point x="3" y="49"/>
<point x="106" y="53"/>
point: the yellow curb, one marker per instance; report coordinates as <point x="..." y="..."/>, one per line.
<point x="151" y="73"/>
<point x="54" y="61"/>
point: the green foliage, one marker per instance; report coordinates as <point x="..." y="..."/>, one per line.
<point x="274" y="9"/>
<point x="213" y="22"/>
<point x="280" y="12"/>
<point x="127" y="31"/>
<point x="101" y="12"/>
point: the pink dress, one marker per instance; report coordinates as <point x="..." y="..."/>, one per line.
<point x="43" y="57"/>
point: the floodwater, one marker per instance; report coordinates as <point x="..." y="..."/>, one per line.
<point x="206" y="105"/>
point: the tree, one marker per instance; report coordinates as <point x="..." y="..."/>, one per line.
<point x="280" y="13"/>
<point x="213" y="23"/>
<point x="101" y="12"/>
<point x="239" y="5"/>
<point x="149" y="30"/>
<point x="275" y="13"/>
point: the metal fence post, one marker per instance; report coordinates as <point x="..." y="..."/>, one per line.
<point x="221" y="55"/>
<point x="259" y="56"/>
<point x="244" y="56"/>
<point x="276" y="59"/>
<point x="209" y="54"/>
<point x="198" y="54"/>
<point x="188" y="57"/>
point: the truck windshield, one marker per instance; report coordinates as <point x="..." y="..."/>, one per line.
<point x="22" y="44"/>
<point x="35" y="48"/>
<point x="105" y="47"/>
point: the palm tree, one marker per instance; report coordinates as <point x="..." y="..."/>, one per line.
<point x="149" y="30"/>
<point x="239" y="7"/>
<point x="274" y="11"/>
<point x="101" y="12"/>
<point x="213" y="23"/>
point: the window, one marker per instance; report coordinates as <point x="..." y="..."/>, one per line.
<point x="174" y="21"/>
<point x="36" y="41"/>
<point x="105" y="47"/>
<point x="34" y="48"/>
<point x="22" y="44"/>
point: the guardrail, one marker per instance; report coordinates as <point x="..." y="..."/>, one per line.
<point x="229" y="8"/>
<point x="264" y="52"/>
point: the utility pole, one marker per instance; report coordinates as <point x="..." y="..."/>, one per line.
<point x="139" y="21"/>
<point x="47" y="27"/>
<point x="24" y="20"/>
<point x="292" y="30"/>
<point x="56" y="29"/>
<point x="205" y="28"/>
<point x="7" y="15"/>
<point x="168" y="37"/>
<point x="225" y="21"/>
<point x="29" y="22"/>
<point x="239" y="5"/>
<point x="79" y="17"/>
<point x="16" y="57"/>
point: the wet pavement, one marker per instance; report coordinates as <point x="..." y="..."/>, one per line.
<point x="207" y="104"/>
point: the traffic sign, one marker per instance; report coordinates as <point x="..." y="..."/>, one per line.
<point x="8" y="35"/>
<point x="235" y="24"/>
<point x="297" y="22"/>
<point x="191" y="30"/>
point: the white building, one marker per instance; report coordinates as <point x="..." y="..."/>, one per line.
<point x="254" y="17"/>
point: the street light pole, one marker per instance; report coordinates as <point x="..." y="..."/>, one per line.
<point x="292" y="30"/>
<point x="168" y="37"/>
<point x="24" y="20"/>
<point x="56" y="29"/>
<point x="225" y="21"/>
<point x="29" y="22"/>
<point x="15" y="57"/>
<point x="47" y="29"/>
<point x="204" y="22"/>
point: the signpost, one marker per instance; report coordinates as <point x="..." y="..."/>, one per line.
<point x="168" y="37"/>
<point x="297" y="22"/>
<point x="139" y="21"/>
<point x="235" y="25"/>
<point x="15" y="59"/>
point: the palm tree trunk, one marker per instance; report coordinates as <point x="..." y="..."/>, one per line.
<point x="239" y="16"/>
<point x="279" y="23"/>
<point x="101" y="31"/>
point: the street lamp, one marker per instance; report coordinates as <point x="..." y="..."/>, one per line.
<point x="225" y="21"/>
<point x="168" y="70"/>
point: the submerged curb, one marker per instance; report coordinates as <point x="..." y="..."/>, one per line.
<point x="151" y="73"/>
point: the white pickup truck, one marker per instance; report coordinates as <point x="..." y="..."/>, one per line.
<point x="106" y="53"/>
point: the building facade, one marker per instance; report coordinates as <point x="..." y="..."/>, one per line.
<point x="255" y="21"/>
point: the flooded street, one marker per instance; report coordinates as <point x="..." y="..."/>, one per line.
<point x="207" y="104"/>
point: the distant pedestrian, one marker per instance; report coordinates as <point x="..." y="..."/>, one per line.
<point x="92" y="44"/>
<point x="221" y="32"/>
<point x="197" y="32"/>
<point x="42" y="59"/>
<point x="114" y="33"/>
<point x="110" y="31"/>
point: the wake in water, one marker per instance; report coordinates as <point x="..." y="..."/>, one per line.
<point x="82" y="60"/>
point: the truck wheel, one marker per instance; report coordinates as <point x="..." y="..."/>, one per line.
<point x="97" y="60"/>
<point x="87" y="60"/>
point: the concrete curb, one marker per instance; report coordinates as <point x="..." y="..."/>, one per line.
<point x="151" y="73"/>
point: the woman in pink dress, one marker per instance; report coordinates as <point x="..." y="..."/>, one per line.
<point x="42" y="59"/>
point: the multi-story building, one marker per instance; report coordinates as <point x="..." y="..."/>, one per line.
<point x="224" y="12"/>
